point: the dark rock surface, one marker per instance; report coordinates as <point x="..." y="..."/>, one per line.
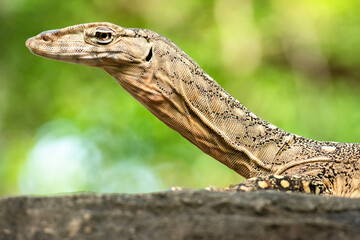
<point x="180" y="215"/>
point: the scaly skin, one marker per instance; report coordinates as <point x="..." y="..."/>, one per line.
<point x="176" y="90"/>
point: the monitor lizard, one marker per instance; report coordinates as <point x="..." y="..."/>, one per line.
<point x="174" y="88"/>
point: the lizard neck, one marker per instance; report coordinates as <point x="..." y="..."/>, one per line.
<point x="178" y="92"/>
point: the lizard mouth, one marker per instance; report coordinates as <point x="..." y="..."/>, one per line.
<point x="47" y="45"/>
<point x="89" y="44"/>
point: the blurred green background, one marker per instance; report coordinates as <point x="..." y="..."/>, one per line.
<point x="69" y="128"/>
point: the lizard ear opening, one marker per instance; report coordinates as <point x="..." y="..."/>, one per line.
<point x="149" y="56"/>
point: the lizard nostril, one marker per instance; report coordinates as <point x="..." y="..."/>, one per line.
<point x="46" y="37"/>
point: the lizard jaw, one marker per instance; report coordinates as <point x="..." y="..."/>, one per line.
<point x="46" y="45"/>
<point x="76" y="45"/>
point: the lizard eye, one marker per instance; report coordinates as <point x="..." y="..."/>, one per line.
<point x="103" y="37"/>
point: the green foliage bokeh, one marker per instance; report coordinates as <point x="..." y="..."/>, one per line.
<point x="293" y="63"/>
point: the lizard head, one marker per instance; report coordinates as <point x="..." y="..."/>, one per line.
<point x="131" y="55"/>
<point x="94" y="44"/>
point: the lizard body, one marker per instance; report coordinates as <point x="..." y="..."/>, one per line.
<point x="176" y="90"/>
